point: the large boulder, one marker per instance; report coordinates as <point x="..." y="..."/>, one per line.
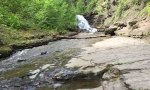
<point x="111" y="73"/>
<point x="135" y="29"/>
<point x="111" y="30"/>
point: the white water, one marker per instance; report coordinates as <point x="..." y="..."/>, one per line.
<point x="84" y="25"/>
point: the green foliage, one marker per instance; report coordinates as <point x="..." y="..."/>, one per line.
<point x="146" y="10"/>
<point x="123" y="6"/>
<point x="91" y="5"/>
<point x="43" y="14"/>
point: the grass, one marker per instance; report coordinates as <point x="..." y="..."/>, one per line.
<point x="18" y="72"/>
<point x="121" y="9"/>
<point x="10" y="37"/>
<point x="146" y="10"/>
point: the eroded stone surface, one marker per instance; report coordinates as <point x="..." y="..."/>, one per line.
<point x="135" y="29"/>
<point x="130" y="56"/>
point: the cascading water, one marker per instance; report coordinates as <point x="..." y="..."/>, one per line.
<point x="84" y="25"/>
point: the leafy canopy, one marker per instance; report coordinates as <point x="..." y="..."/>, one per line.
<point x="43" y="14"/>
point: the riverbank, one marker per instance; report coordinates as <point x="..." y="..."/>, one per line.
<point x="87" y="64"/>
<point x="12" y="40"/>
<point x="24" y="68"/>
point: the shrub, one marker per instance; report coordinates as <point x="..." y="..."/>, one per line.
<point x="43" y="14"/>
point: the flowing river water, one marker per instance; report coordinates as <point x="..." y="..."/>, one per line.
<point x="16" y="71"/>
<point x="54" y="66"/>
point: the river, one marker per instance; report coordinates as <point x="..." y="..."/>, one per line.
<point x="16" y="70"/>
<point x="85" y="62"/>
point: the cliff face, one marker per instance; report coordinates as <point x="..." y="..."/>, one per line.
<point x="122" y="10"/>
<point x="128" y="17"/>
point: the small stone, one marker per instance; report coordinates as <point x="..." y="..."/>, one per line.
<point x="120" y="24"/>
<point x="43" y="53"/>
<point x="21" y="60"/>
<point x="131" y="23"/>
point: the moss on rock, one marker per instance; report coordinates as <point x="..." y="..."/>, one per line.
<point x="5" y="51"/>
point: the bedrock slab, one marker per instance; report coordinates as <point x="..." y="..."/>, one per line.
<point x="130" y="56"/>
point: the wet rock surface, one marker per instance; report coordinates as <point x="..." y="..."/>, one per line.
<point x="64" y="74"/>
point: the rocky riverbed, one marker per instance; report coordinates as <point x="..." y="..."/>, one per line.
<point x="85" y="62"/>
<point x="43" y="67"/>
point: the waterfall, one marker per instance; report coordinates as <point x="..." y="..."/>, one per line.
<point x="84" y="25"/>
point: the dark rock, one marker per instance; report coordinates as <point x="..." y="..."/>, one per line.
<point x="90" y="17"/>
<point x="111" y="30"/>
<point x="131" y="23"/>
<point x="43" y="53"/>
<point x="21" y="60"/>
<point x="137" y="36"/>
<point x="114" y="2"/>
<point x="120" y="24"/>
